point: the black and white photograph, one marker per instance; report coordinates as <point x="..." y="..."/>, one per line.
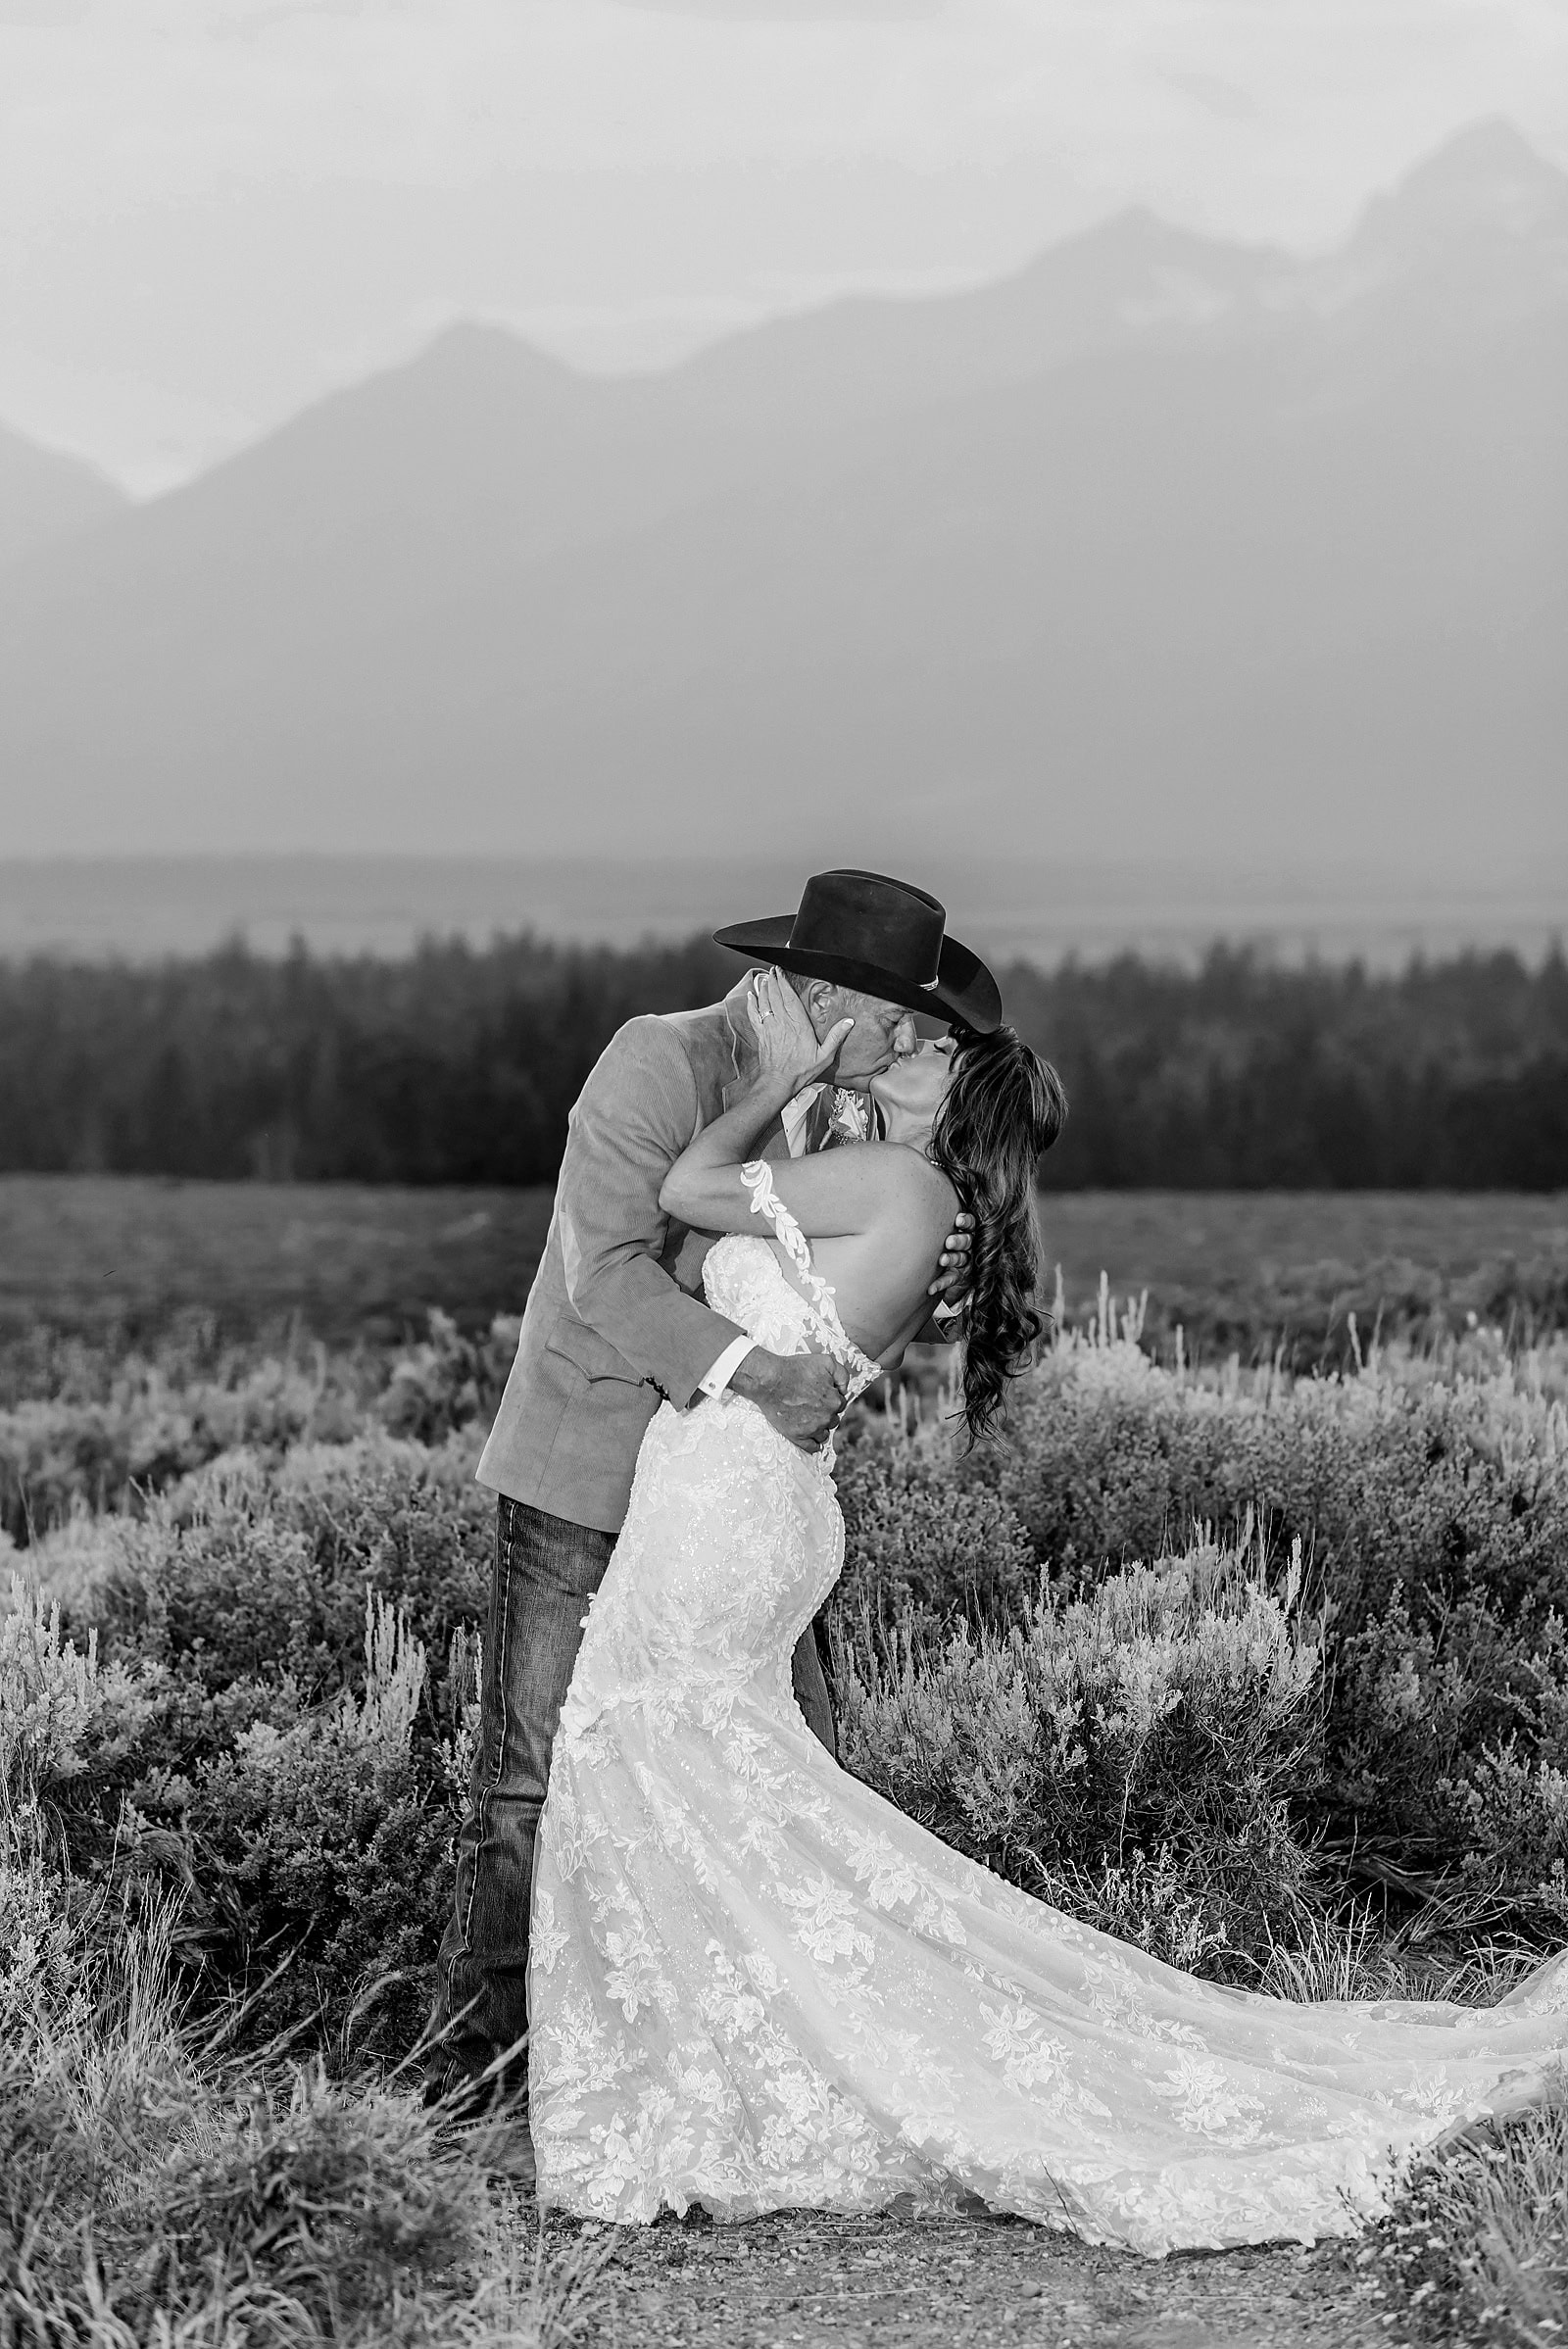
<point x="783" y="1174"/>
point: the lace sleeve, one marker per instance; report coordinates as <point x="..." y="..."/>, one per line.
<point x="757" y="1176"/>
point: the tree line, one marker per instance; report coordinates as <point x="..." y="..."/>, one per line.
<point x="458" y="1064"/>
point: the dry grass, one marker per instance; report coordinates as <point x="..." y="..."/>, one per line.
<point x="156" y="2189"/>
<point x="1355" y="1956"/>
<point x="1478" y="2250"/>
<point x="157" y="2185"/>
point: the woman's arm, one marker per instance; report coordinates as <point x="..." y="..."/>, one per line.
<point x="830" y="1192"/>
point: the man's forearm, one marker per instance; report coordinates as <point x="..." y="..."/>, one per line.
<point x="747" y="1369"/>
<point x="667" y="1336"/>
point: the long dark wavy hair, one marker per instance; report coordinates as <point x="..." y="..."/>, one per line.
<point x="1003" y="1109"/>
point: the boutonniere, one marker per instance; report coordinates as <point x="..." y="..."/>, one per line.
<point x="850" y="1116"/>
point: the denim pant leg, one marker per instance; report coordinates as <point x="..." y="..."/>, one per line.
<point x="546" y="1569"/>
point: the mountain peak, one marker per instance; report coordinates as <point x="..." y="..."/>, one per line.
<point x="481" y="338"/>
<point x="1483" y="153"/>
<point x="1486" y="180"/>
<point x="476" y="350"/>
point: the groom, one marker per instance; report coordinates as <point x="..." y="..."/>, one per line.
<point x="616" y="1325"/>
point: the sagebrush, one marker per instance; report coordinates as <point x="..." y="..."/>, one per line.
<point x="1264" y="1673"/>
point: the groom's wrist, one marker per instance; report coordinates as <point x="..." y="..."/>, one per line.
<point x="772" y="1088"/>
<point x="724" y="1372"/>
<point x="755" y="1375"/>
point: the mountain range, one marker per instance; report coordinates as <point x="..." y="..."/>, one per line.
<point x="45" y="496"/>
<point x="1162" y="546"/>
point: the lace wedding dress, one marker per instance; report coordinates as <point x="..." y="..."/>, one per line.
<point x="756" y="1984"/>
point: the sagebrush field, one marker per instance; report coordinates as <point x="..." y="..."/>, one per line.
<point x="136" y="1258"/>
<point x="1264" y="1673"/>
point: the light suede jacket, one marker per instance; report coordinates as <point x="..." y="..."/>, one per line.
<point x="615" y="1320"/>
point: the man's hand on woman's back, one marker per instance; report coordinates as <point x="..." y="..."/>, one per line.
<point x="802" y="1395"/>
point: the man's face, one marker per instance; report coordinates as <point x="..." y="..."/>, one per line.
<point x="882" y="1033"/>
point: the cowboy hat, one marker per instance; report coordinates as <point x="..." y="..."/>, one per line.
<point x="882" y="936"/>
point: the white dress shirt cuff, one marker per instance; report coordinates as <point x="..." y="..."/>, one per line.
<point x="724" y="1369"/>
<point x="946" y="1312"/>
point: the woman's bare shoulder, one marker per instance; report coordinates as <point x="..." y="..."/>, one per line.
<point x="908" y="1178"/>
<point x="867" y="1186"/>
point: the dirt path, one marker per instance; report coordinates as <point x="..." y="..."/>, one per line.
<point x="812" y="2282"/>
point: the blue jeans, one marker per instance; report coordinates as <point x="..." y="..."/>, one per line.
<point x="544" y="1572"/>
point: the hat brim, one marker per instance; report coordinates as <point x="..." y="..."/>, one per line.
<point x="963" y="991"/>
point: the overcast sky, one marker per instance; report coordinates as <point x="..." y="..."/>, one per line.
<point x="212" y="210"/>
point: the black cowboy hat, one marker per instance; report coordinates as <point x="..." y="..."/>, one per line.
<point x="882" y="936"/>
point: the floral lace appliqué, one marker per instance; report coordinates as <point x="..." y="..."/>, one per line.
<point x="757" y="1176"/>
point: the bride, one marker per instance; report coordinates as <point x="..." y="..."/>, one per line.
<point x="756" y="1984"/>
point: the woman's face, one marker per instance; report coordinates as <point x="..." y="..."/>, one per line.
<point x="912" y="1090"/>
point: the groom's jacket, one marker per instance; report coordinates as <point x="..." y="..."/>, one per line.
<point x="614" y="1321"/>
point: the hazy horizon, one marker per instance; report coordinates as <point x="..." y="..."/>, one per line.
<point x="142" y="908"/>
